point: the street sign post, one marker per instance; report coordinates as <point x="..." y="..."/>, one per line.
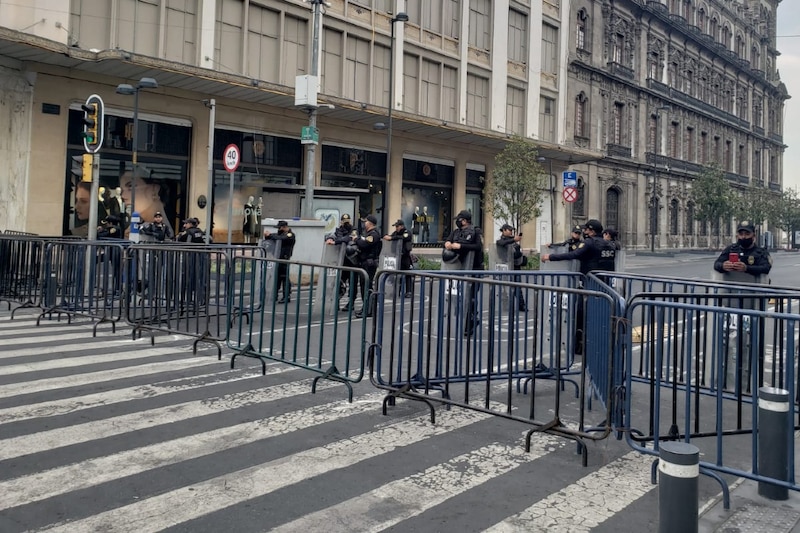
<point x="570" y="194"/>
<point x="570" y="178"/>
<point x="230" y="160"/>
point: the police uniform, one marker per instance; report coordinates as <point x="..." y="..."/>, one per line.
<point x="589" y="252"/>
<point x="517" y="260"/>
<point x="369" y="250"/>
<point x="401" y="233"/>
<point x="160" y="231"/>
<point x="573" y="242"/>
<point x="287" y="239"/>
<point x="756" y="259"/>
<point x="110" y="229"/>
<point x="192" y="234"/>
<point x="469" y="237"/>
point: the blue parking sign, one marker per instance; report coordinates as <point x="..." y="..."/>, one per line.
<point x="570" y="178"/>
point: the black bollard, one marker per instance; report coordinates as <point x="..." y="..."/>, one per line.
<point x="678" y="481"/>
<point x="774" y="432"/>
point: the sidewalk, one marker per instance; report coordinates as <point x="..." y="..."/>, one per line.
<point x="751" y="512"/>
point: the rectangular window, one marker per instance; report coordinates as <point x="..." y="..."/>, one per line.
<point x="480" y="24"/>
<point x="294" y="49"/>
<point x="410" y="83"/>
<point x="477" y="101"/>
<point x="757" y="164"/>
<point x="356" y="71"/>
<point x="228" y="48"/>
<point x="549" y="49"/>
<point x="742" y="165"/>
<point x="380" y="75"/>
<point x="616" y="128"/>
<point x="673" y="139"/>
<point x="547" y="119"/>
<point x="449" y="93"/>
<point x="263" y="31"/>
<point x="618" y="45"/>
<point x="653" y="61"/>
<point x="431" y="16"/>
<point x="452" y="19"/>
<point x="729" y="156"/>
<point x="717" y="150"/>
<point x="703" y="148"/>
<point x="517" y="36"/>
<point x="690" y="148"/>
<point x="331" y="79"/>
<point x="515" y="110"/>
<point x="430" y="89"/>
<point x="180" y="38"/>
<point x="580" y="116"/>
<point x="580" y="32"/>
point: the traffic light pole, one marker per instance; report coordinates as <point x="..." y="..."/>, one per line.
<point x="94" y="196"/>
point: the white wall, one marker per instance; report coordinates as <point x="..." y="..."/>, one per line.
<point x="15" y="116"/>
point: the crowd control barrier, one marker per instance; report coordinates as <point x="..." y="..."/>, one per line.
<point x="21" y="263"/>
<point x="462" y="339"/>
<point x="83" y="278"/>
<point x="309" y="330"/>
<point x="178" y="289"/>
<point x="698" y="355"/>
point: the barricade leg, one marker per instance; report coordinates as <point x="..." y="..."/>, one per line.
<point x="774" y="433"/>
<point x="678" y="484"/>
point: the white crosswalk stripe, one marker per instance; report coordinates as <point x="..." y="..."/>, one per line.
<point x="92" y="433"/>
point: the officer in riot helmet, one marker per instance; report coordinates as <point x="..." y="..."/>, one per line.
<point x="402" y="234"/>
<point x="589" y="252"/>
<point x="462" y="240"/>
<point x="369" y="250"/>
<point x="508" y="238"/>
<point x="287" y="239"/>
<point x="749" y="257"/>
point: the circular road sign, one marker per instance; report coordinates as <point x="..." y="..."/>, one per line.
<point x="231" y="158"/>
<point x="570" y="194"/>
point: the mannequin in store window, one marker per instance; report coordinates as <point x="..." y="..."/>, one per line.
<point x="426" y="225"/>
<point x="416" y="222"/>
<point x="251" y="222"/>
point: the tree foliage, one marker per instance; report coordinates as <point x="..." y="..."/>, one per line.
<point x="786" y="212"/>
<point x="757" y="205"/>
<point x="514" y="194"/>
<point x="712" y="195"/>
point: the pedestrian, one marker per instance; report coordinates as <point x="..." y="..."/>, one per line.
<point x="285" y="236"/>
<point x="191" y="232"/>
<point x="464" y="239"/>
<point x="744" y="255"/>
<point x="369" y="250"/>
<point x="158" y="230"/>
<point x="517" y="259"/>
<point x="402" y="234"/>
<point x="588" y="252"/>
<point x="575" y="238"/>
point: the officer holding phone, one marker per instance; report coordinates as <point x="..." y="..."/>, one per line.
<point x="744" y="255"/>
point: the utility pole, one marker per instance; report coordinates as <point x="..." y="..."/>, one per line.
<point x="313" y="88"/>
<point x="212" y="106"/>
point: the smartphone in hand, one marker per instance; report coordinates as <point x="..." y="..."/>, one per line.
<point x="733" y="257"/>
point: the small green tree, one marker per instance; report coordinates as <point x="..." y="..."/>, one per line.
<point x="786" y="214"/>
<point x="712" y="195"/>
<point x="514" y="194"/>
<point x="756" y="204"/>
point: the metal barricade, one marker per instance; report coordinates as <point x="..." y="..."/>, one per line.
<point x="83" y="278"/>
<point x="469" y="348"/>
<point x="299" y="332"/>
<point x="333" y="283"/>
<point x="178" y="289"/>
<point x="21" y="271"/>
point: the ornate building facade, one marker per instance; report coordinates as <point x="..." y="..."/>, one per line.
<point x="664" y="87"/>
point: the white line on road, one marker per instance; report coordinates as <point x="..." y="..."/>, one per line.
<point x="588" y="502"/>
<point x="424" y="490"/>
<point x="90" y="344"/>
<point x="193" y="501"/>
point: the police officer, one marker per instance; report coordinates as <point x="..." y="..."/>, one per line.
<point x="588" y="252"/>
<point x="751" y="259"/>
<point x="110" y="228"/>
<point x="287" y="239"/>
<point x="400" y="233"/>
<point x="575" y="238"/>
<point x="369" y="250"/>
<point x="158" y="229"/>
<point x="462" y="240"/>
<point x="344" y="235"/>
<point x="507" y="238"/>
<point x="191" y="232"/>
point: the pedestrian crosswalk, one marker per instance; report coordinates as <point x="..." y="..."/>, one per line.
<point x="113" y="434"/>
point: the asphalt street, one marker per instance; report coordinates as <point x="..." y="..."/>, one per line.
<point x="113" y="434"/>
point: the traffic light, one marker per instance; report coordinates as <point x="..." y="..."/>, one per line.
<point x="93" y="124"/>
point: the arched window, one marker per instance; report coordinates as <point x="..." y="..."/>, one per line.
<point x="673" y="217"/>
<point x="612" y="208"/>
<point x="713" y="29"/>
<point x="580" y="116"/>
<point x="582" y="31"/>
<point x="701" y="19"/>
<point x="579" y="206"/>
<point x="689" y="228"/>
<point x="726" y="36"/>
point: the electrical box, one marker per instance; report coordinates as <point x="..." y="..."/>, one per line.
<point x="306" y="88"/>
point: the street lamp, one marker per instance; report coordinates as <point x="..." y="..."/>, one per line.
<point x="127" y="89"/>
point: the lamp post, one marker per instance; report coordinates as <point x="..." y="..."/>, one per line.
<point x="127" y="89"/>
<point x="654" y="198"/>
<point x="653" y="208"/>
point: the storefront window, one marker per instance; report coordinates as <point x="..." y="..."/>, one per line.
<point x="159" y="182"/>
<point x="361" y="171"/>
<point x="264" y="185"/>
<point x="427" y="199"/>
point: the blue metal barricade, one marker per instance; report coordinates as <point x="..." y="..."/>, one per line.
<point x="178" y="289"/>
<point x="463" y="339"/>
<point x="304" y="331"/>
<point x="21" y="270"/>
<point x="83" y="278"/>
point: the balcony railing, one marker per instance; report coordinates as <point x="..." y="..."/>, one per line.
<point x="778" y="138"/>
<point x="617" y="150"/>
<point x="620" y="70"/>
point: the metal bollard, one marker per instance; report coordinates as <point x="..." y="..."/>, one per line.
<point x="678" y="482"/>
<point x="774" y="432"/>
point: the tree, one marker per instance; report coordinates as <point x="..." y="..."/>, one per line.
<point x="514" y="194"/>
<point x="712" y="195"/>
<point x="757" y="205"/>
<point x="786" y="214"/>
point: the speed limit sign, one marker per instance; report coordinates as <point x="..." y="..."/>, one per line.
<point x="230" y="158"/>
